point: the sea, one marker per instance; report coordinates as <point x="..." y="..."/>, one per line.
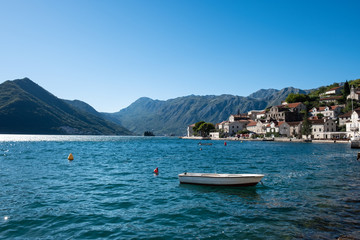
<point x="109" y="190"/>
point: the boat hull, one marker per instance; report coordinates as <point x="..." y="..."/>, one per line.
<point x="213" y="179"/>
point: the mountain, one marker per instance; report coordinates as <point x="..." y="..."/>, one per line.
<point x="174" y="115"/>
<point x="25" y="107"/>
<point x="274" y="97"/>
<point x="83" y="106"/>
<point x="264" y="93"/>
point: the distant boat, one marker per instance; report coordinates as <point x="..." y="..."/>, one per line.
<point x="268" y="139"/>
<point x="205" y="144"/>
<point x="217" y="179"/>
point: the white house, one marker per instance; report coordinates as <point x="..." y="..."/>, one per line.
<point x="238" y="117"/>
<point x="327" y="111"/>
<point x="332" y="91"/>
<point x="332" y="99"/>
<point x="283" y="128"/>
<point x="353" y="124"/>
<point x="231" y="128"/>
<point x="272" y="127"/>
<point x="344" y="118"/>
<point x="257" y="127"/>
<point x="256" y="114"/>
<point x="214" y="134"/>
<point x="295" y="128"/>
<point x="322" y="128"/>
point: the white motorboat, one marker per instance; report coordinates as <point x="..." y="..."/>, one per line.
<point x="217" y="179"/>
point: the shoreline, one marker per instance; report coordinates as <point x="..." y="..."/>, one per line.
<point x="269" y="139"/>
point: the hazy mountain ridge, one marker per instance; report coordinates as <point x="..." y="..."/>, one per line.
<point x="25" y="107"/>
<point x="174" y="115"/>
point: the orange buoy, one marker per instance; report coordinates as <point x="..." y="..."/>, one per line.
<point x="70" y="157"/>
<point x="156" y="171"/>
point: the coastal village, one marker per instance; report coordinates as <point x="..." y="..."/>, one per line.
<point x="293" y="121"/>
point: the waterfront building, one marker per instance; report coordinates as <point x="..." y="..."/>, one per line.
<point x="322" y="128"/>
<point x="258" y="127"/>
<point x="288" y="113"/>
<point x="295" y="128"/>
<point x="282" y="128"/>
<point x="231" y="128"/>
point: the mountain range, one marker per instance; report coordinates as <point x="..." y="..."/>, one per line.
<point x="25" y="107"/>
<point x="171" y="117"/>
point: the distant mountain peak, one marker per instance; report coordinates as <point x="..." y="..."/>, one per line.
<point x="25" y="107"/>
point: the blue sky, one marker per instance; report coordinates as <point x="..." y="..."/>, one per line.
<point x="110" y="53"/>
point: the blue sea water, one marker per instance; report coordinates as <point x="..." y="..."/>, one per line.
<point x="310" y="191"/>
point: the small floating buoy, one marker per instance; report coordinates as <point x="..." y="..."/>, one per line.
<point x="156" y="171"/>
<point x="70" y="157"/>
<point x="225" y="143"/>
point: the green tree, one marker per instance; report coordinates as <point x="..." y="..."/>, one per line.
<point x="244" y="131"/>
<point x="320" y="115"/>
<point x="196" y="127"/>
<point x="296" y="97"/>
<point x="346" y="90"/>
<point x="203" y="128"/>
<point x="306" y="127"/>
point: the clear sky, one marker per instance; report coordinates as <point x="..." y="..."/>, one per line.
<point x="110" y="53"/>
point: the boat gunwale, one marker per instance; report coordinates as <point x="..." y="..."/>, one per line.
<point x="222" y="175"/>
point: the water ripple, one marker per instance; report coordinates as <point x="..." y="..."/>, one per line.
<point x="311" y="191"/>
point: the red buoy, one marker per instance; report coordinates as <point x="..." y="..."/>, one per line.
<point x="225" y="143"/>
<point x="156" y="171"/>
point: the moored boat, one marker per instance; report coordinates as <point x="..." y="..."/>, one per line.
<point x="217" y="179"/>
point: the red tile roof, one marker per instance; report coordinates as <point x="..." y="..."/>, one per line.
<point x="331" y="98"/>
<point x="293" y="105"/>
<point x="348" y="114"/>
<point x="317" y="121"/>
<point x="280" y="123"/>
<point x="334" y="88"/>
<point x="252" y="123"/>
<point x="293" y="123"/>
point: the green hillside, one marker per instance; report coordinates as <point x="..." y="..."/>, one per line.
<point x="25" y="107"/>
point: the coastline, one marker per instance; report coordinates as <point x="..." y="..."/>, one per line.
<point x="270" y="139"/>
